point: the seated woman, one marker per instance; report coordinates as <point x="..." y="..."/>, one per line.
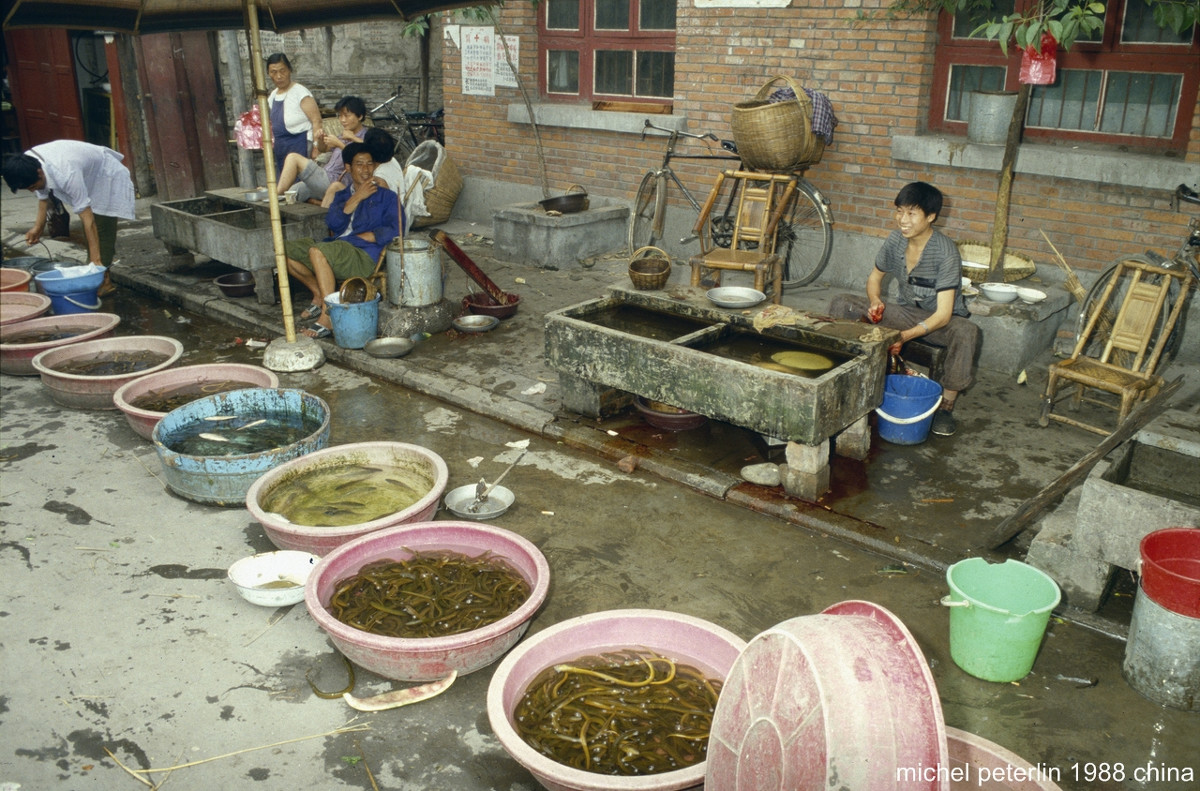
<point x="309" y="177"/>
<point x="364" y="219"/>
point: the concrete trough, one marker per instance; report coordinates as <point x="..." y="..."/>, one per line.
<point x="678" y="348"/>
<point x="235" y="232"/>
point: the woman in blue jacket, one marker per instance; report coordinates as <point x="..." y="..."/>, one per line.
<point x="363" y="220"/>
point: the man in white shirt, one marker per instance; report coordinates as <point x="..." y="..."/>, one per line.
<point x="88" y="178"/>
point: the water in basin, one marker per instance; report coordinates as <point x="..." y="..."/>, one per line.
<point x="645" y="323"/>
<point x="771" y="353"/>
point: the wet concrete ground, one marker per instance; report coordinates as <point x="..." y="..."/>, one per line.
<point x="121" y="632"/>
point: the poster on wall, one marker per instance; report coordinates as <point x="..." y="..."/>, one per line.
<point x="478" y="57"/>
<point x="504" y="76"/>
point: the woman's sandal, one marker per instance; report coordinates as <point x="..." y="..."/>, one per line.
<point x="311" y="312"/>
<point x="318" y="332"/>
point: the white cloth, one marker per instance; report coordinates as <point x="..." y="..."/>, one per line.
<point x="401" y="182"/>
<point x="86" y="176"/>
<point x="294" y="117"/>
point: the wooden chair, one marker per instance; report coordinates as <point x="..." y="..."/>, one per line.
<point x="761" y="202"/>
<point x="1147" y="290"/>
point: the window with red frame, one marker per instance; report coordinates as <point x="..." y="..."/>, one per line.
<point x="607" y="49"/>
<point x="1132" y="83"/>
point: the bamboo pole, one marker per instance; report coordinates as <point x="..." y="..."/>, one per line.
<point x="256" y="61"/>
<point x="1004" y="189"/>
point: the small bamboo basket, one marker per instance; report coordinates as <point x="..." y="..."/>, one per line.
<point x="1016" y="267"/>
<point x="649" y="268"/>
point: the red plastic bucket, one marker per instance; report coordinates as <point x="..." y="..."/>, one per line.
<point x="1171" y="569"/>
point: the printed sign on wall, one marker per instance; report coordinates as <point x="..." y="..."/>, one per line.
<point x="478" y="59"/>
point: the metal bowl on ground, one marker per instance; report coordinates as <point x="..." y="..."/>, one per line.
<point x="735" y="297"/>
<point x="16" y="356"/>
<point x="498" y="501"/>
<point x="224" y="480"/>
<point x="96" y="392"/>
<point x="483" y="304"/>
<point x="236" y="284"/>
<point x="18" y="306"/>
<point x="667" y="417"/>
<point x="427" y="659"/>
<point x="387" y="348"/>
<point x="143" y="421"/>
<point x="475" y="324"/>
<point x="999" y="292"/>
<point x="14" y="279"/>
<point x="420" y="467"/>
<point x="688" y="640"/>
<point x="273" y="579"/>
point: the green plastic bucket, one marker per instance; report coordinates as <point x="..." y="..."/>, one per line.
<point x="998" y="616"/>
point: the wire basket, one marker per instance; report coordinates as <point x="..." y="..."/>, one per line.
<point x="1016" y="267"/>
<point x="649" y="268"/>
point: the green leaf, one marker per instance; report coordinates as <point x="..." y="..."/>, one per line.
<point x="1056" y="29"/>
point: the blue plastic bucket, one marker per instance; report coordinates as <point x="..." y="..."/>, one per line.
<point x="355" y="323"/>
<point x="78" y="294"/>
<point x="907" y="410"/>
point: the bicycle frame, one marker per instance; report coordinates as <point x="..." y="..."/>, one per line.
<point x="669" y="154"/>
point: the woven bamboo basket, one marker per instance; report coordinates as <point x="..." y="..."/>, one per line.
<point x="440" y="199"/>
<point x="1016" y="267"/>
<point x="776" y="135"/>
<point x="649" y="268"/>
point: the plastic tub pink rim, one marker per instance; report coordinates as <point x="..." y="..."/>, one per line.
<point x="17" y="358"/>
<point x="861" y="703"/>
<point x="96" y="392"/>
<point x="683" y="637"/>
<point x="143" y="421"/>
<point x="321" y="540"/>
<point x="432" y="658"/>
<point x="12" y="279"/>
<point x="17" y="306"/>
<point x="969" y="753"/>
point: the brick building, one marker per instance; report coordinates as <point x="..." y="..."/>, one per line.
<point x="1099" y="195"/>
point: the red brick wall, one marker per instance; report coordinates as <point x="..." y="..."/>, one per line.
<point x="876" y="73"/>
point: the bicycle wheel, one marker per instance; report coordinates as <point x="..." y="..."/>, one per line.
<point x="646" y="223"/>
<point x="1100" y="334"/>
<point x="404" y="146"/>
<point x="805" y="236"/>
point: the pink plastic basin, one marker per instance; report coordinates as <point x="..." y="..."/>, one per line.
<point x="422" y="462"/>
<point x="143" y="421"/>
<point x="431" y="658"/>
<point x="976" y="763"/>
<point x="96" y="392"/>
<point x="17" y="358"/>
<point x="689" y="640"/>
<point x="21" y="306"/>
<point x="839" y="699"/>
<point x="14" y="279"/>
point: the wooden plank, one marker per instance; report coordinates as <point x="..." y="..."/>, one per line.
<point x="632" y="107"/>
<point x="1011" y="526"/>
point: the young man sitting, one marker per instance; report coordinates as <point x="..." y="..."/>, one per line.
<point x="364" y="219"/>
<point x="928" y="270"/>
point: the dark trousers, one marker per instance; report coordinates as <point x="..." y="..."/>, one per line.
<point x="960" y="336"/>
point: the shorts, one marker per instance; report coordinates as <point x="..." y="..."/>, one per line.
<point x="344" y="259"/>
<point x="312" y="183"/>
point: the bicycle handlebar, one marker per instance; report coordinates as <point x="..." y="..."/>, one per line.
<point x="704" y="136"/>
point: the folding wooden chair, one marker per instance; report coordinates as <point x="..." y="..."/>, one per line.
<point x="1147" y="290"/>
<point x="762" y="199"/>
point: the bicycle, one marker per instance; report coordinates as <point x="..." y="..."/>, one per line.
<point x="804" y="238"/>
<point x="409" y="129"/>
<point x="1185" y="258"/>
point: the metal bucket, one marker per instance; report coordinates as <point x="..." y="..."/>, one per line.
<point x="1162" y="656"/>
<point x="989" y="116"/>
<point x="414" y="275"/>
